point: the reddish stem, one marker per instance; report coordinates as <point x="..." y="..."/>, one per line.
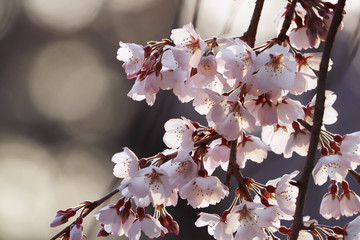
<point x="234" y="170"/>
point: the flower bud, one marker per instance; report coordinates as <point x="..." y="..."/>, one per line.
<point x="62" y="217"/>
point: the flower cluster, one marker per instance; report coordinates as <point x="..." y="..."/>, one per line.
<point x="239" y="89"/>
<point x="310" y="23"/>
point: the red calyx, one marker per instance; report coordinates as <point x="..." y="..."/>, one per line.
<point x="141" y="212"/>
<point x="202" y="173"/>
<point x="339" y="230"/>
<point x="265" y="201"/>
<point x="345" y="187"/>
<point x="333" y="189"/>
<point x="142" y="162"/>
<point x="324" y="151"/>
<point x="284" y="230"/>
<point x="338" y="138"/>
<point x="270" y="188"/>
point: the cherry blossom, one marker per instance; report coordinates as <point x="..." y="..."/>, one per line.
<point x="235" y="60"/>
<point x="147" y="224"/>
<point x="251" y="148"/>
<point x="268" y="112"/>
<point x="298" y="142"/>
<point x="179" y="133"/>
<point x="277" y="66"/>
<point x="149" y="86"/>
<point x="300" y="39"/>
<point x="334" y="166"/>
<point x="230" y="117"/>
<point x="182" y="170"/>
<point x="126" y="163"/>
<point x="276" y="136"/>
<point x="330" y="114"/>
<point x="189" y="46"/>
<point x="285" y="193"/>
<point x="203" y="191"/>
<point x="240" y="89"/>
<point x="117" y="218"/>
<point x="76" y="230"/>
<point x="133" y="57"/>
<point x="151" y="182"/>
<point x="217" y="155"/>
<point x="343" y="156"/>
<point x="350" y="143"/>
<point x="352" y="230"/>
<point x="330" y="204"/>
<point x="204" y="100"/>
<point x="349" y="201"/>
<point x="207" y="75"/>
<point x="249" y="220"/>
<point x="218" y="227"/>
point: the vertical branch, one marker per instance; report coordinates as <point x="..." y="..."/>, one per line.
<point x="234" y="170"/>
<point x="287" y="21"/>
<point x="250" y="35"/>
<point x="355" y="175"/>
<point x="318" y="118"/>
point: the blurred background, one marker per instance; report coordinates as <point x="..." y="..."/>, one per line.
<point x="64" y="109"/>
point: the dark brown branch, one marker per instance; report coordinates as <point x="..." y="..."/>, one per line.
<point x="234" y="170"/>
<point x="207" y="140"/>
<point x="89" y="209"/>
<point x="318" y="118"/>
<point x="287" y="21"/>
<point x="355" y="175"/>
<point x="250" y="35"/>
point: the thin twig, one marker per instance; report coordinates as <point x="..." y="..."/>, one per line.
<point x="250" y="35"/>
<point x="234" y="170"/>
<point x="287" y="21"/>
<point x="89" y="209"/>
<point x="318" y="118"/>
<point x="355" y="175"/>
